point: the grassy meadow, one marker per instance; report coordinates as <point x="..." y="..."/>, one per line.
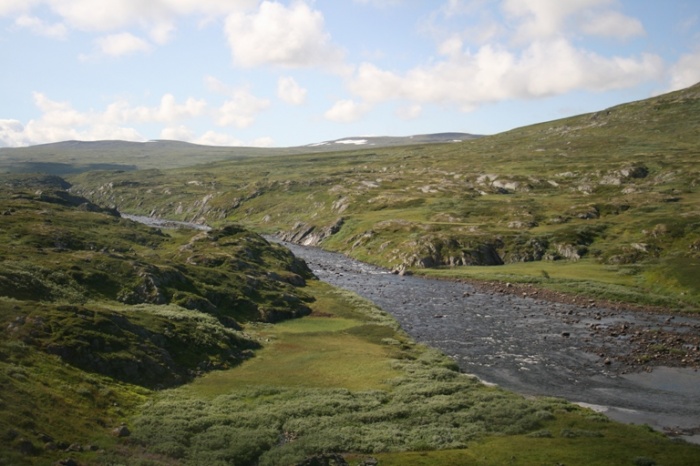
<point x="345" y="379"/>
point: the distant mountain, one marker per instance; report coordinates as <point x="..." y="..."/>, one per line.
<point x="69" y="157"/>
<point x="384" y="141"/>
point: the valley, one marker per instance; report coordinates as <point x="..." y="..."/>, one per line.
<point x="128" y="344"/>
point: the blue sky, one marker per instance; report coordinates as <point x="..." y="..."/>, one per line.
<point x="286" y="73"/>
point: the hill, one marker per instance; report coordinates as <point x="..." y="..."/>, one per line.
<point x="71" y="157"/>
<point x="604" y="204"/>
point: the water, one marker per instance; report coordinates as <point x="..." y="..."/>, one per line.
<point x="527" y="345"/>
<point x="523" y="344"/>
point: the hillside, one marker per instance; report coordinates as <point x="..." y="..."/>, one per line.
<point x="604" y="204"/>
<point x="95" y="307"/>
<point x="124" y="344"/>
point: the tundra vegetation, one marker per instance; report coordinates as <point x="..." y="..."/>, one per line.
<point x="125" y="344"/>
<point x="603" y="204"/>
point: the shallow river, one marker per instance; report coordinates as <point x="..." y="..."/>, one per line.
<point x="526" y="345"/>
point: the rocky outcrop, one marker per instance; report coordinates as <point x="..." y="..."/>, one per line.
<point x="310" y="235"/>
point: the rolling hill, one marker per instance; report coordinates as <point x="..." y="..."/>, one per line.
<point x="610" y="198"/>
<point x="71" y="157"/>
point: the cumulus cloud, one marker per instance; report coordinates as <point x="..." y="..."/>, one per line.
<point x="155" y="18"/>
<point x="290" y="91"/>
<point x="177" y="133"/>
<point x="167" y="111"/>
<point x="60" y="121"/>
<point x="288" y="36"/>
<point x="119" y="14"/>
<point x="409" y="112"/>
<point x="539" y="19"/>
<point x="346" y="111"/>
<point x="12" y="133"/>
<point x="42" y="28"/>
<point x="612" y="24"/>
<point x="495" y="73"/>
<point x="125" y="43"/>
<point x="212" y="138"/>
<point x="240" y="110"/>
<point x="685" y="72"/>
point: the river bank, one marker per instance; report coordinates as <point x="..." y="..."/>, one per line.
<point x="578" y="351"/>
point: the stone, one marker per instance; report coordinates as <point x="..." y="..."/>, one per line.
<point x="121" y="431"/>
<point x="328" y="459"/>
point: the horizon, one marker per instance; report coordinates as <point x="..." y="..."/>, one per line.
<point x="251" y="73"/>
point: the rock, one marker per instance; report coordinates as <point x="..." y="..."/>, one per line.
<point x="67" y="462"/>
<point x="310" y="235"/>
<point x="569" y="251"/>
<point x="328" y="459"/>
<point x="121" y="431"/>
<point x="26" y="447"/>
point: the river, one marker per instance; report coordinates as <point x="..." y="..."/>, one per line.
<point x="527" y="345"/>
<point x="523" y="344"/>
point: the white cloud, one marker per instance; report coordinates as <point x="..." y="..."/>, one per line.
<point x="177" y="133"/>
<point x="41" y="28"/>
<point x="241" y="107"/>
<point x="346" y="111"/>
<point x="240" y="110"/>
<point x="613" y="24"/>
<point x="59" y="121"/>
<point x="167" y="111"/>
<point x="290" y="91"/>
<point x="12" y="133"/>
<point x="156" y="18"/>
<point x="685" y="72"/>
<point x="542" y="19"/>
<point x="119" y="14"/>
<point x="409" y="112"/>
<point x="124" y="43"/>
<point x="162" y="32"/>
<point x="293" y="36"/>
<point x="495" y="73"/>
<point x="8" y="7"/>
<point x="539" y="19"/>
<point x="211" y="138"/>
<point x="380" y="3"/>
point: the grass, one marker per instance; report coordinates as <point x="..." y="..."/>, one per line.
<point x="407" y="404"/>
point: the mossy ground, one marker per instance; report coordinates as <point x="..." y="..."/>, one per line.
<point x="304" y="395"/>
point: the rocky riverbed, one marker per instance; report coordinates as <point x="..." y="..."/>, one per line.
<point x="636" y="366"/>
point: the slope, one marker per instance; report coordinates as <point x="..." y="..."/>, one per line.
<point x="613" y="193"/>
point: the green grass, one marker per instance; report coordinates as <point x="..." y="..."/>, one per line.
<point x="355" y="390"/>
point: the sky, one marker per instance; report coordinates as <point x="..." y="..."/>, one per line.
<point x="279" y="73"/>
